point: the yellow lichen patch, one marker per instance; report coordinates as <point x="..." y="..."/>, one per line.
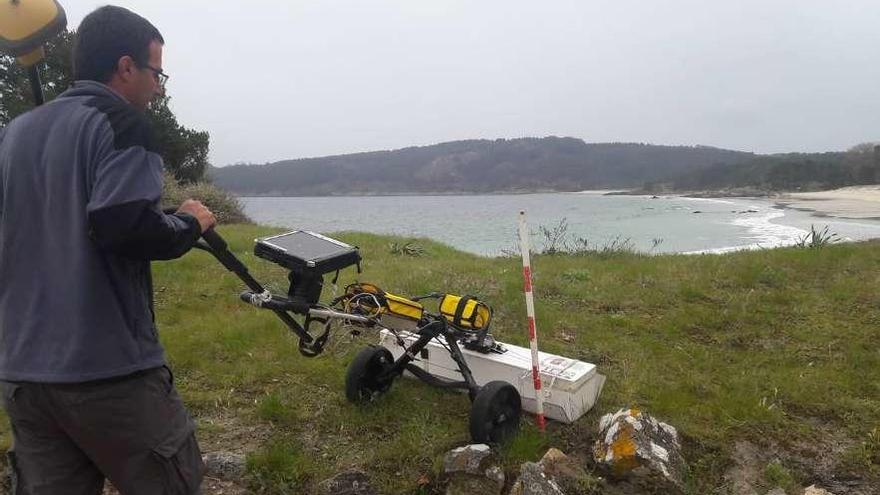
<point x="634" y="411"/>
<point x="623" y="450"/>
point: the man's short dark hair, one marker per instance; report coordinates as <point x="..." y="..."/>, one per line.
<point x="108" y="34"/>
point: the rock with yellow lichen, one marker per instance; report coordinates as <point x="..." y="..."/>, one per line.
<point x="634" y="446"/>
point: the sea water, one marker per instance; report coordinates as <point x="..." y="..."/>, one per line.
<point x="487" y="225"/>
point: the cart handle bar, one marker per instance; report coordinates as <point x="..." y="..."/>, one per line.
<point x="280" y="303"/>
<point x="216" y="246"/>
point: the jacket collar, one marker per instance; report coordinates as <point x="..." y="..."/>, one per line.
<point x="92" y="88"/>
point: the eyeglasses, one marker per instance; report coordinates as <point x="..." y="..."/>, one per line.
<point x="160" y="76"/>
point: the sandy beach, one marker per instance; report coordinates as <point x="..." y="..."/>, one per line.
<point x="846" y="202"/>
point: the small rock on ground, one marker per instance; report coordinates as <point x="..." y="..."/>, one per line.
<point x="468" y="459"/>
<point x="224" y="465"/>
<point x="352" y="482"/>
<point x="814" y="490"/>
<point x="534" y="481"/>
<point x="472" y="470"/>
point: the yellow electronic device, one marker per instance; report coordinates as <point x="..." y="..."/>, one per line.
<point x="25" y="25"/>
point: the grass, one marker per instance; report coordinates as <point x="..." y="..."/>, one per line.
<point x="776" y="347"/>
<point x="280" y="467"/>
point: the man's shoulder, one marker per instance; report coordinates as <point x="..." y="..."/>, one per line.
<point x="66" y="111"/>
<point x="36" y="121"/>
<point x="129" y="126"/>
<point x="103" y="113"/>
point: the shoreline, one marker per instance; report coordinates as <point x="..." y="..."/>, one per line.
<point x="853" y="202"/>
<point x="749" y="222"/>
<point x="847" y="203"/>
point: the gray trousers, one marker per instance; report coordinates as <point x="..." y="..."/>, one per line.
<point x="133" y="430"/>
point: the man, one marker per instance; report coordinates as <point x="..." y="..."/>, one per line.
<point x="84" y="378"/>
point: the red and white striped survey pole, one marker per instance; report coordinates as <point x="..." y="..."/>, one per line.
<point x="530" y="312"/>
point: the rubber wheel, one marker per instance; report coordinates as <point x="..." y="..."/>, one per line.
<point x="362" y="381"/>
<point x="495" y="413"/>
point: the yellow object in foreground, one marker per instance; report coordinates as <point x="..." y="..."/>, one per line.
<point x="401" y="306"/>
<point x="465" y="312"/>
<point x="380" y="302"/>
<point x="26" y="24"/>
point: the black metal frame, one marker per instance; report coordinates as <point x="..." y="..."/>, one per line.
<point x="434" y="327"/>
<point x="430" y="326"/>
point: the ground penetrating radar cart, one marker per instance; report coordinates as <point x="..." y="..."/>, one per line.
<point x="449" y="348"/>
<point x="496" y="406"/>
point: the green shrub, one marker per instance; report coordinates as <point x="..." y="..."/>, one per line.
<point x="281" y="467"/>
<point x="528" y="445"/>
<point x="866" y="454"/>
<point x="778" y="476"/>
<point x="816" y="238"/>
<point x="557" y="241"/>
<point x="576" y="275"/>
<point x="406" y="249"/>
<point x="223" y="204"/>
<point x="274" y="408"/>
<point x="871" y="447"/>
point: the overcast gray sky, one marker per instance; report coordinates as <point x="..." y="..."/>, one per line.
<point x="278" y="79"/>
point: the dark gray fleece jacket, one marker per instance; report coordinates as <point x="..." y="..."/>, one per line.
<point x="80" y="183"/>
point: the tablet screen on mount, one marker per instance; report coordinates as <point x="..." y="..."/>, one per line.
<point x="306" y="248"/>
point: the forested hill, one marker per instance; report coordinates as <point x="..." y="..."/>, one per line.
<point x="782" y="172"/>
<point x="477" y="166"/>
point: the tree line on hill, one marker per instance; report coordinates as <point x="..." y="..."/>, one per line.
<point x="783" y="172"/>
<point x="476" y="166"/>
<point x="552" y="164"/>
